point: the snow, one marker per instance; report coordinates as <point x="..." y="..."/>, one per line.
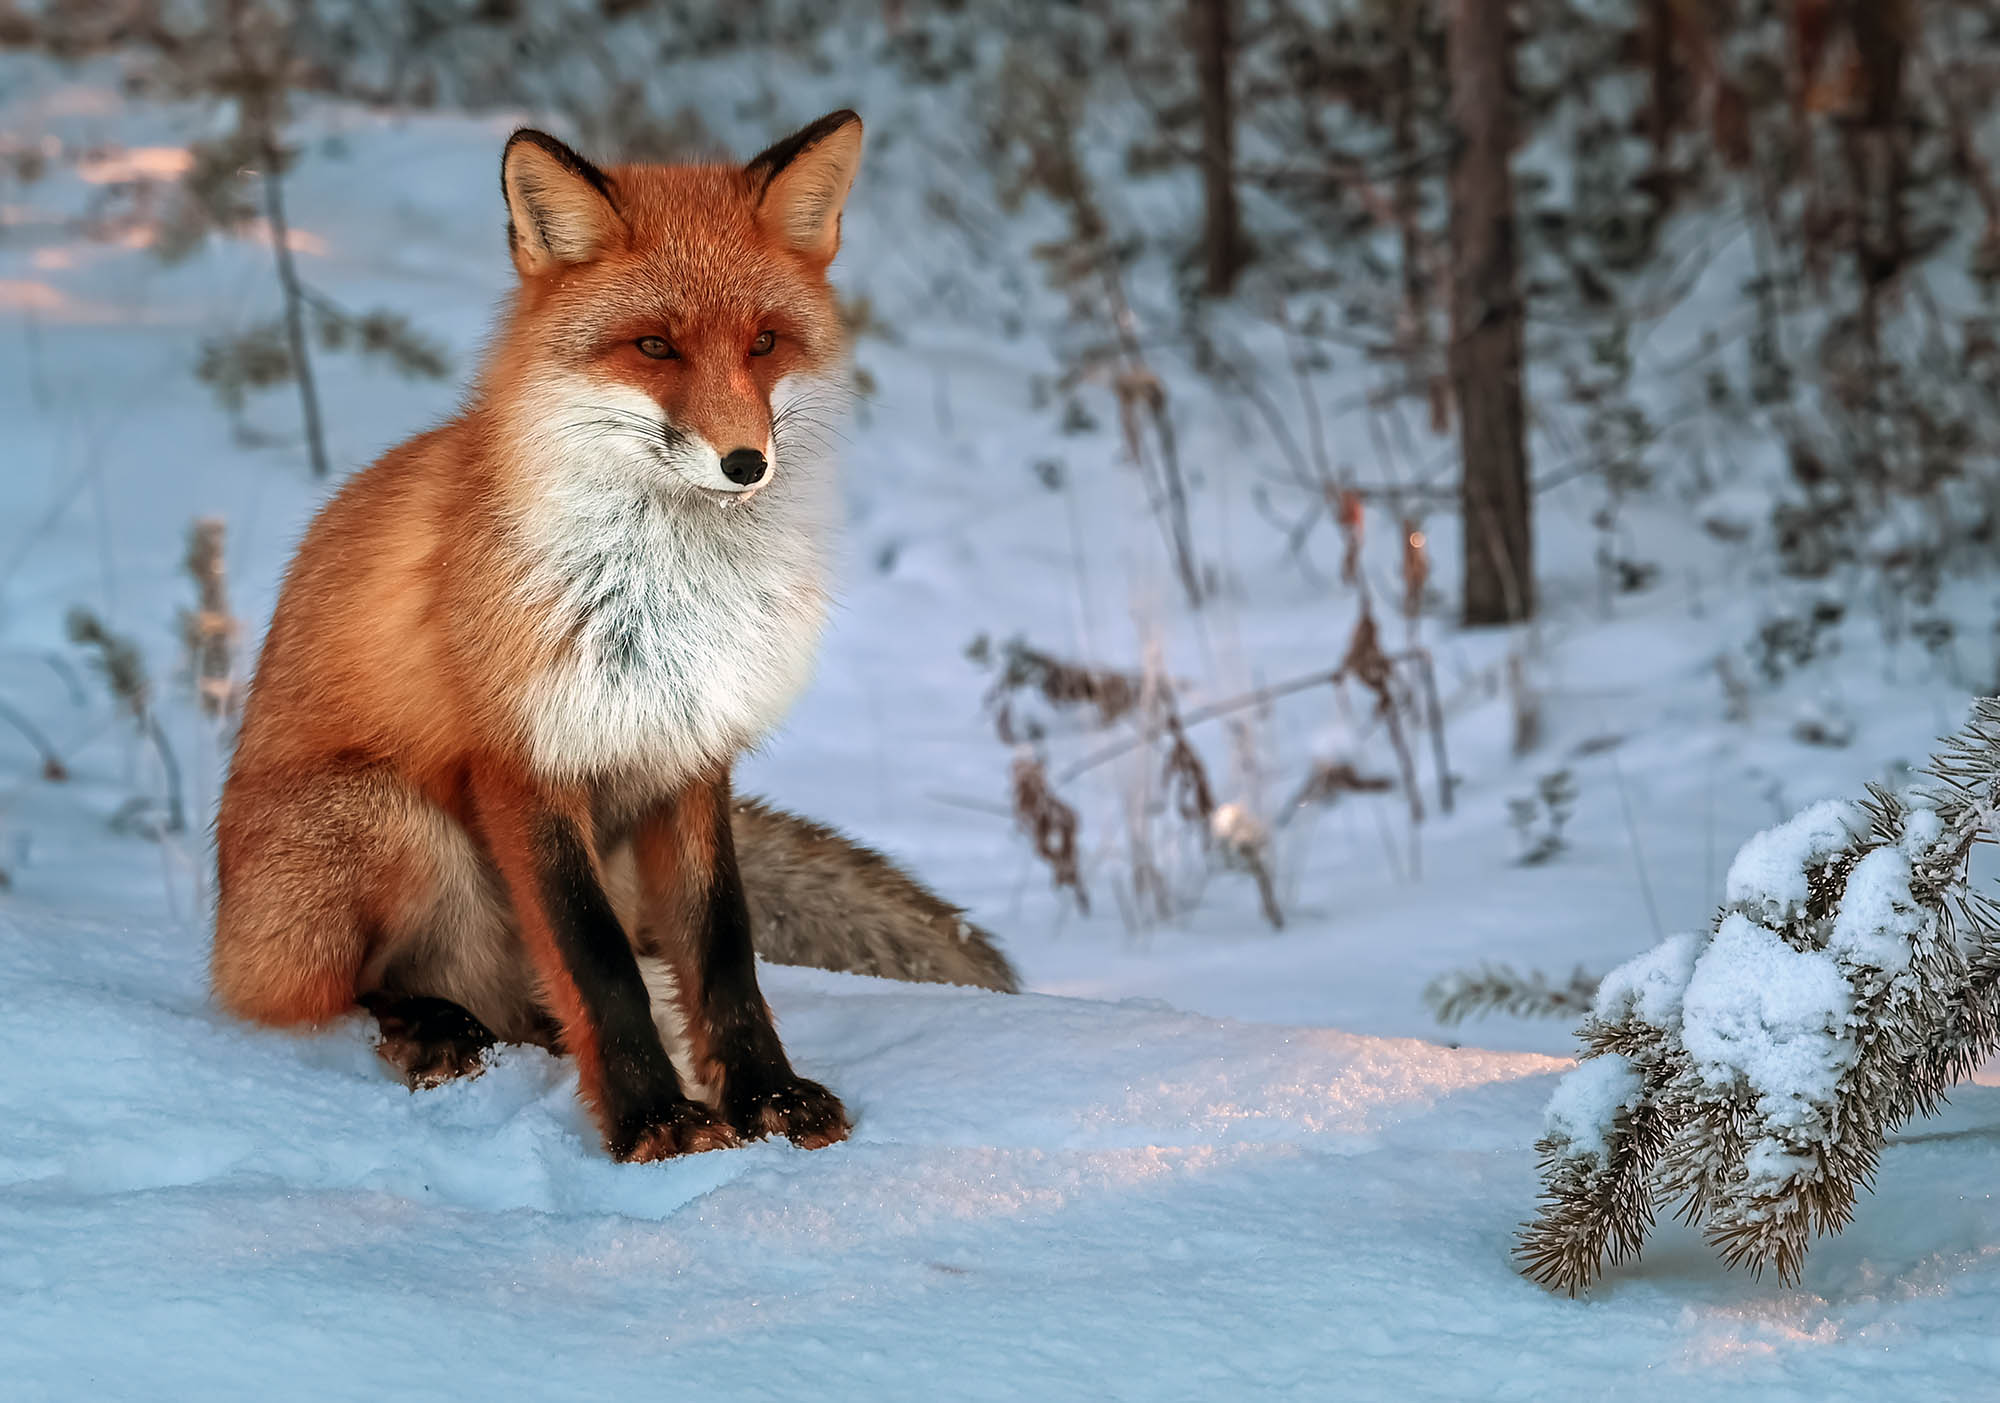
<point x="1586" y="1104"/>
<point x="1199" y="1160"/>
<point x="1923" y="829"/>
<point x="1776" y="1016"/>
<point x="1879" y="920"/>
<point x="1067" y="1197"/>
<point x="1650" y="986"/>
<point x="1769" y="875"/>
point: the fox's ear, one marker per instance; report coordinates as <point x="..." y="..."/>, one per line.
<point x="559" y="208"/>
<point x="802" y="182"/>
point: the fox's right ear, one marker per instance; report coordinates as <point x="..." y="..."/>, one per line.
<point x="559" y="207"/>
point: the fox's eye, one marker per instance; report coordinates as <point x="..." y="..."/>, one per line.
<point x="658" y="347"/>
<point x="763" y="344"/>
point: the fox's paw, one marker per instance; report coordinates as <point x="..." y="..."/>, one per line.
<point x="684" y="1128"/>
<point x="427" y="1042"/>
<point x="802" y="1111"/>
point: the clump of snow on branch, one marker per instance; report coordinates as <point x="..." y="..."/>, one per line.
<point x="1587" y="1106"/>
<point x="1753" y="1075"/>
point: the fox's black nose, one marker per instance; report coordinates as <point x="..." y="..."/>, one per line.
<point x="743" y="465"/>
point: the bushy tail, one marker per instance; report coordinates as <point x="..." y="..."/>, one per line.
<point x="819" y="899"/>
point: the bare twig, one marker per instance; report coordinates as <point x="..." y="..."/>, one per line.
<point x="259" y="79"/>
<point x="53" y="768"/>
<point x="1434" y="714"/>
<point x="1199" y="715"/>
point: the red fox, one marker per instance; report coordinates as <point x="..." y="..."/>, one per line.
<point x="482" y="788"/>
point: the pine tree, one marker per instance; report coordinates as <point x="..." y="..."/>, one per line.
<point x="1851" y="977"/>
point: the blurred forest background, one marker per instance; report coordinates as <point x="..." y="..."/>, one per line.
<point x="1386" y="321"/>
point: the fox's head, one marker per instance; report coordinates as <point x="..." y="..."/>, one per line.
<point x="664" y="310"/>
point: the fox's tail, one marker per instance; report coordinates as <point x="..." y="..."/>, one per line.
<point x="818" y="899"/>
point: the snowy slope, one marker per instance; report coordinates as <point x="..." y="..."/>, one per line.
<point x="1098" y="1191"/>
<point x="1043" y="1197"/>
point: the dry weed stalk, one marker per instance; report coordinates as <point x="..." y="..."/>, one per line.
<point x="1364" y="652"/>
<point x="1329" y="779"/>
<point x="261" y="45"/>
<point x="210" y="630"/>
<point x="1230" y="831"/>
<point x="1416" y="570"/>
<point x="1367" y="664"/>
<point x="1049" y="823"/>
<point x="1403" y="685"/>
<point x="1353" y="517"/>
<point x="1058" y="681"/>
<point x="53" y="768"/>
<point x="124" y="672"/>
<point x="1142" y="402"/>
<point x="1525" y="705"/>
<point x="1243" y="843"/>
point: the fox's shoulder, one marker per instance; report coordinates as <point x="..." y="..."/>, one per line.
<point x="364" y="623"/>
<point x="419" y="471"/>
<point x="374" y="548"/>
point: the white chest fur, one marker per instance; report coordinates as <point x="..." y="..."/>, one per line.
<point x="688" y="627"/>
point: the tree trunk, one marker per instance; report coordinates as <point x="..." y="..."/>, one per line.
<point x="1223" y="245"/>
<point x="1884" y="32"/>
<point x="1663" y="103"/>
<point x="1414" y="331"/>
<point x="1486" y="318"/>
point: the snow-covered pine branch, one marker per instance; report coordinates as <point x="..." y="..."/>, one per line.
<point x="1753" y="1075"/>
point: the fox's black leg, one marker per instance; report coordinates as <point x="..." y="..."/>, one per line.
<point x="761" y="1094"/>
<point x="586" y="971"/>
<point x="611" y="1033"/>
<point x="427" y="1041"/>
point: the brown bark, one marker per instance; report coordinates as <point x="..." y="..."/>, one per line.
<point x="1663" y="106"/>
<point x="1486" y="318"/>
<point x="1224" y="251"/>
<point x="1414" y="335"/>
<point x="1883" y="31"/>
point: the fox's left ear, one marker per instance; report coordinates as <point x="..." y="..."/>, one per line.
<point x="802" y="182"/>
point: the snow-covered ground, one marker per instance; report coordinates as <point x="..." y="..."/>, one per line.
<point x="1206" y="1161"/>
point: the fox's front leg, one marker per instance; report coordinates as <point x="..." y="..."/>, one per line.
<point x="694" y="897"/>
<point x="588" y="972"/>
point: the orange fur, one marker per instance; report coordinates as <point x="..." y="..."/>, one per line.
<point x="503" y="803"/>
<point x="674" y="853"/>
<point x="382" y="777"/>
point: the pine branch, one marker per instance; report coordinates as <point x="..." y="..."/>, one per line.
<point x="1464" y="994"/>
<point x="1850" y="979"/>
